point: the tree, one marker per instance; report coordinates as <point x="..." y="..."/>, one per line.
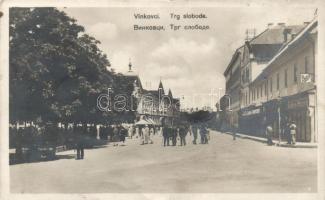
<point x="56" y="71"/>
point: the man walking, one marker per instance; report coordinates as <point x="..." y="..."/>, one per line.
<point x="165" y="134"/>
<point x="293" y="131"/>
<point x="182" y="133"/>
<point x="269" y="134"/>
<point x="79" y="137"/>
<point x="174" y="135"/>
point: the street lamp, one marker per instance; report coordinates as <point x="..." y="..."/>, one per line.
<point x="279" y="118"/>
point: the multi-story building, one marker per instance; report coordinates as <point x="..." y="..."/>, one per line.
<point x="156" y="106"/>
<point x="286" y="90"/>
<point x="230" y="103"/>
<point x="151" y="105"/>
<point x="246" y="65"/>
<point x="257" y="53"/>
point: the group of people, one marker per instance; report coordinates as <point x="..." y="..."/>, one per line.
<point x="289" y="129"/>
<point x="202" y="130"/>
<point x="171" y="133"/>
<point x="180" y="132"/>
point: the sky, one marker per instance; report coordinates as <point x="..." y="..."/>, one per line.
<point x="190" y="63"/>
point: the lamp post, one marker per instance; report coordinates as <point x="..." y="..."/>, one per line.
<point x="279" y="119"/>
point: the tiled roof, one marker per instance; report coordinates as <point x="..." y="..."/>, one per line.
<point x="311" y="28"/>
<point x="274" y="35"/>
<point x="265" y="45"/>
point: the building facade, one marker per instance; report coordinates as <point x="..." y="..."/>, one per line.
<point x="277" y="82"/>
<point x="288" y="86"/>
<point x="156" y="106"/>
<point x="151" y="105"/>
<point x="230" y="103"/>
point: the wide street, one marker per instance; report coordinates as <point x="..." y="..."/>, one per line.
<point x="223" y="165"/>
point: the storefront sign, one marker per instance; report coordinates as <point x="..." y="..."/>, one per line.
<point x="251" y="112"/>
<point x="298" y="103"/>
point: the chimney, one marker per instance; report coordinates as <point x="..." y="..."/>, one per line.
<point x="286" y="34"/>
<point x="269" y="25"/>
<point x="250" y="34"/>
<point x="281" y="24"/>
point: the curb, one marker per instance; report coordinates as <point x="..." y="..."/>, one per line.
<point x="263" y="140"/>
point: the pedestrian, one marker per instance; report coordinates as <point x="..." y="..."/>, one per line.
<point x="293" y="131"/>
<point x="182" y="133"/>
<point x="146" y="135"/>
<point x="269" y="134"/>
<point x="150" y="135"/>
<point x="174" y="136"/>
<point x="116" y="137"/>
<point x="203" y="134"/>
<point x="165" y="135"/>
<point x="137" y="132"/>
<point x="206" y="136"/>
<point x="194" y="131"/>
<point x="123" y="134"/>
<point x="152" y="131"/>
<point x="130" y="131"/>
<point x="79" y="139"/>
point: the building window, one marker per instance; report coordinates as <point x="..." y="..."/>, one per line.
<point x="295" y="73"/>
<point x="258" y="93"/>
<point x="277" y="81"/>
<point x="262" y="90"/>
<point x="265" y="89"/>
<point x="271" y="85"/>
<point x="306" y="64"/>
<point x="286" y="78"/>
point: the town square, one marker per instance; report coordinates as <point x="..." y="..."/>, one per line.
<point x="163" y="100"/>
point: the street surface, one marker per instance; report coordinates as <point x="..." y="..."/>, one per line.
<point x="223" y="165"/>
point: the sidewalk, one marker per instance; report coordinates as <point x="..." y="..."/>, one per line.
<point x="275" y="141"/>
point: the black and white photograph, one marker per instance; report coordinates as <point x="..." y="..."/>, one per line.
<point x="164" y="100"/>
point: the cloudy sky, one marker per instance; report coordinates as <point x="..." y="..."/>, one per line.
<point x="190" y="63"/>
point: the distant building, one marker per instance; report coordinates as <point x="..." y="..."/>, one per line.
<point x="156" y="106"/>
<point x="153" y="105"/>
<point x="230" y="103"/>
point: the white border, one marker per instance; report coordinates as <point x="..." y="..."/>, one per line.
<point x="4" y="88"/>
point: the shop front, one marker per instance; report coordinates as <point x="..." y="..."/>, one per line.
<point x="273" y="115"/>
<point x="301" y="110"/>
<point x="251" y="121"/>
